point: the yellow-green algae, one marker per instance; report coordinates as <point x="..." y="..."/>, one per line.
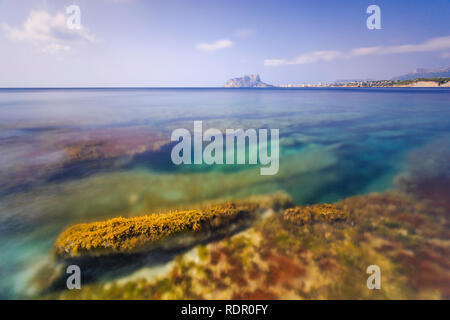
<point x="127" y="235"/>
<point x="315" y="213"/>
<point x="407" y="238"/>
<point x="132" y="235"/>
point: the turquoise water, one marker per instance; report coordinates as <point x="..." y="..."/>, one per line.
<point x="75" y="155"/>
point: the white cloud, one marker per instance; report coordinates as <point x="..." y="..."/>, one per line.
<point x="309" y="57"/>
<point x="218" y="45"/>
<point x="225" y="43"/>
<point x="275" y="62"/>
<point x="49" y="33"/>
<point x="364" y="51"/>
<point x="431" y="45"/>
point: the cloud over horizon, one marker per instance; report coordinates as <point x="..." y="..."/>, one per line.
<point x="434" y="44"/>
<point x="49" y="33"/>
<point x="218" y="45"/>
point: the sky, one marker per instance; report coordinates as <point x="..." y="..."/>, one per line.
<point x="196" y="43"/>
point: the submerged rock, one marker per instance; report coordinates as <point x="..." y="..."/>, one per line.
<point x="427" y="174"/>
<point x="316" y="213"/>
<point x="127" y="235"/>
<point x="169" y="231"/>
<point x="117" y="247"/>
<point x="406" y="237"/>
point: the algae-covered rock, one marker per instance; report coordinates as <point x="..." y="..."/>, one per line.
<point x="315" y="213"/>
<point x="275" y="259"/>
<point x="167" y="231"/>
<point x="131" y="235"/>
<point x="107" y="249"/>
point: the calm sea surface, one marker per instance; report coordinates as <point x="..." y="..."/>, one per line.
<point x="76" y="155"/>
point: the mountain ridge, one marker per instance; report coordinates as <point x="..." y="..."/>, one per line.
<point x="425" y="73"/>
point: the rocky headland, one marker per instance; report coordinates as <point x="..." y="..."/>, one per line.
<point x="248" y="81"/>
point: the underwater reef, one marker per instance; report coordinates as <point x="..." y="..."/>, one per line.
<point x="319" y="251"/>
<point x="316" y="213"/>
<point x="53" y="152"/>
<point x="131" y="235"/>
<point x="427" y="174"/>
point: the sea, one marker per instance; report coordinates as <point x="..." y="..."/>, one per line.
<point x="79" y="155"/>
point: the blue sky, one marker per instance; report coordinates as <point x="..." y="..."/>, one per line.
<point x="204" y="43"/>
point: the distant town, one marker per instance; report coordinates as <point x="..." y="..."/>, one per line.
<point x="418" y="82"/>
<point x="418" y="78"/>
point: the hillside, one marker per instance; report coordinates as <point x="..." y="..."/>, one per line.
<point x="425" y="73"/>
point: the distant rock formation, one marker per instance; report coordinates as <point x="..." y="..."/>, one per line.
<point x="425" y="73"/>
<point x="248" y="81"/>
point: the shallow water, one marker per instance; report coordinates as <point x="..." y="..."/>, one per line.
<point x="76" y="155"/>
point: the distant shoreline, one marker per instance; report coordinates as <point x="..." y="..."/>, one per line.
<point x="215" y="88"/>
<point x="254" y="81"/>
<point x="413" y="83"/>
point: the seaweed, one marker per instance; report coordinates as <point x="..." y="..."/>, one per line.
<point x="315" y="213"/>
<point x="130" y="235"/>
